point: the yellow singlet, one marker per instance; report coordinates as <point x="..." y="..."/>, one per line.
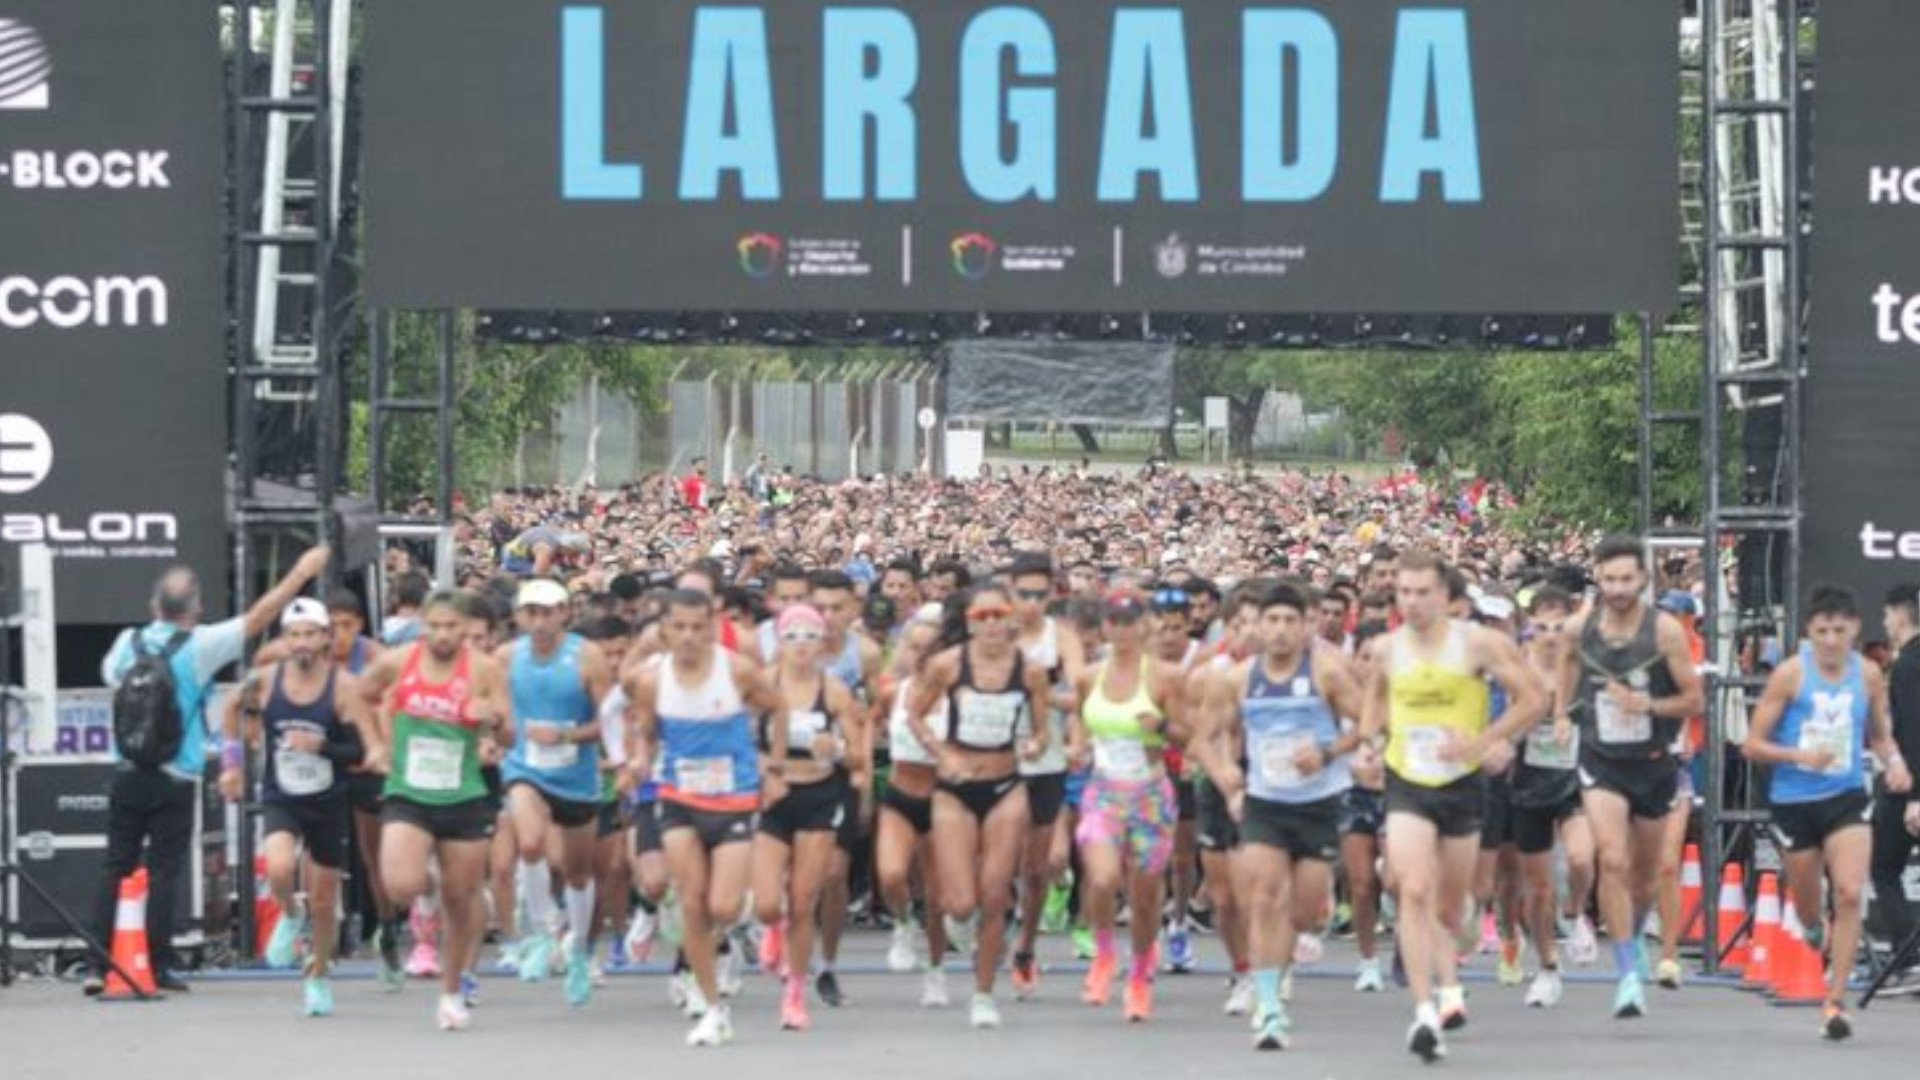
<point x="1427" y="698"/>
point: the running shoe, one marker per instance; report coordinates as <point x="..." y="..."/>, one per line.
<point x="1834" y="1023"/>
<point x="1240" y="995"/>
<point x="1583" y="947"/>
<point x="452" y="1015"/>
<point x="773" y="946"/>
<point x="1083" y="944"/>
<point x="1098" y="988"/>
<point x="1139" y="1000"/>
<point x="596" y="972"/>
<point x="1489" y="932"/>
<point x="793" y="1006"/>
<point x="933" y="989"/>
<point x="579" y="978"/>
<point x="985" y="1013"/>
<point x="319" y="997"/>
<point x="727" y="972"/>
<point x="1546" y="989"/>
<point x="536" y="955"/>
<point x="1025" y="977"/>
<point x="424" y="961"/>
<point x="1367" y="978"/>
<point x="1308" y="948"/>
<point x="1630" y="1000"/>
<point x="469" y="989"/>
<point x="1509" y="972"/>
<point x="960" y="934"/>
<point x="828" y="987"/>
<point x="903" y="951"/>
<point x="715" y="1028"/>
<point x="616" y="955"/>
<point x="1668" y="975"/>
<point x="1453" y="1007"/>
<point x="1054" y="914"/>
<point x="1274" y="1032"/>
<point x="1425" y="1043"/>
<point x="286" y="936"/>
<point x="640" y="935"/>
<point x="1180" y="958"/>
<point x="386" y="940"/>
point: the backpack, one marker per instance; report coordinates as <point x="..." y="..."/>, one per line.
<point x="147" y="724"/>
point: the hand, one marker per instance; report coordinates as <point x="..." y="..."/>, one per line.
<point x="1031" y="749"/>
<point x="491" y="752"/>
<point x="1237" y="806"/>
<point x="1496" y="758"/>
<point x="1913" y="819"/>
<point x="304" y="742"/>
<point x="312" y="562"/>
<point x="376" y="761"/>
<point x="1899" y="779"/>
<point x="230" y="784"/>
<point x="1309" y="759"/>
<point x="545" y="735"/>
<point x="626" y="782"/>
<point x="773" y="788"/>
<point x="1815" y="760"/>
<point x="1078" y="754"/>
<point x="1563" y="730"/>
<point x="1629" y="701"/>
<point x="949" y="765"/>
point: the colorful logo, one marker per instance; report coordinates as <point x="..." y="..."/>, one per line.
<point x="973" y="255"/>
<point x="760" y="254"/>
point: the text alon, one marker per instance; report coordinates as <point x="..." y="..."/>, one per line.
<point x="1008" y="128"/>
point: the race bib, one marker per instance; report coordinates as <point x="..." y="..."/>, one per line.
<point x="300" y="773"/>
<point x="988" y="719"/>
<point x="1543" y="751"/>
<point x="1616" y="725"/>
<point x="1832" y="734"/>
<point x="434" y="764"/>
<point x="1424" y="763"/>
<point x="803" y="728"/>
<point x="544" y="758"/>
<point x="1276" y="754"/>
<point x="1121" y="759"/>
<point x="704" y="776"/>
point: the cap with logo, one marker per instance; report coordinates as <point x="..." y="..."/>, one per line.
<point x="306" y="611"/>
<point x="541" y="592"/>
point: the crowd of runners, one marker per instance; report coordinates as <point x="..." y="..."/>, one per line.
<point x="702" y="721"/>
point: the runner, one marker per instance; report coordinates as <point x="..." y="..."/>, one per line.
<point x="794" y="850"/>
<point x="1497" y="892"/>
<point x="980" y="814"/>
<point x="445" y="711"/>
<point x="1363" y="821"/>
<point x="552" y="776"/>
<point x="1174" y="645"/>
<point x="906" y="816"/>
<point x="1430" y="697"/>
<point x="1281" y="709"/>
<point x="311" y="718"/>
<point x="1216" y="833"/>
<point x="1818" y="710"/>
<point x="1130" y="710"/>
<point x="1628" y="675"/>
<point x="855" y="661"/>
<point x="648" y="859"/>
<point x="612" y="870"/>
<point x="694" y="706"/>
<point x="1052" y="647"/>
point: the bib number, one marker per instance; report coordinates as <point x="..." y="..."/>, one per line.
<point x="1279" y="767"/>
<point x="704" y="776"/>
<point x="300" y="773"/>
<point x="1424" y="763"/>
<point x="434" y="764"/>
<point x="1617" y="725"/>
<point x="543" y="757"/>
<point x="1121" y="759"/>
<point x="803" y="728"/>
<point x="1834" y="736"/>
<point x="1543" y="751"/>
<point x="988" y="720"/>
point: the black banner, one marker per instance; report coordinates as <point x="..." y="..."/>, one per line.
<point x="113" y="411"/>
<point x="1057" y="156"/>
<point x="1861" y="507"/>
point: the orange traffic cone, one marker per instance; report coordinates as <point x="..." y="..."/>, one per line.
<point x="1799" y="978"/>
<point x="1733" y="915"/>
<point x="266" y="910"/>
<point x="130" y="943"/>
<point x="1691" y="896"/>
<point x="1766" y="936"/>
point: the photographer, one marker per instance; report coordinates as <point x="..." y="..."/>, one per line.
<point x="1895" y="816"/>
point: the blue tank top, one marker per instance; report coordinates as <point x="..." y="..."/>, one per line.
<point x="1280" y="717"/>
<point x="550" y="692"/>
<point x="847" y="668"/>
<point x="296" y="775"/>
<point x="1824" y="715"/>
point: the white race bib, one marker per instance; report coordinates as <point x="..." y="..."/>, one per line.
<point x="1833" y="734"/>
<point x="300" y="773"/>
<point x="1616" y="725"/>
<point x="804" y="726"/>
<point x="1543" y="751"/>
<point x="704" y="776"/>
<point x="544" y="758"/>
<point x="1276" y="755"/>
<point x="1121" y="759"/>
<point x="1424" y="763"/>
<point x="434" y="764"/>
<point x="988" y="720"/>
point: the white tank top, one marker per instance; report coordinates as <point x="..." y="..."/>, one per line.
<point x="902" y="744"/>
<point x="716" y="699"/>
<point x="1045" y="654"/>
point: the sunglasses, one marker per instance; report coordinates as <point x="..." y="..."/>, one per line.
<point x="992" y="614"/>
<point x="1033" y="594"/>
<point x="802" y="633"/>
<point x="1172" y="600"/>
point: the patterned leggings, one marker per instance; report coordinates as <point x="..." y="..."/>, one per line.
<point x="1138" y="814"/>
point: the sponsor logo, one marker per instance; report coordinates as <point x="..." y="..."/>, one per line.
<point x="1170" y="256"/>
<point x="26" y="67"/>
<point x="26" y="454"/>
<point x="759" y="254"/>
<point x="85" y="170"/>
<point x="973" y="255"/>
<point x="68" y="303"/>
<point x="83" y="804"/>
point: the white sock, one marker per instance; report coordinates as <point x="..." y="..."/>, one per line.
<point x="580" y="914"/>
<point x="537" y="893"/>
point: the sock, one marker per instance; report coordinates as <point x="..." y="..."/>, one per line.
<point x="1623" y="958"/>
<point x="1103" y="942"/>
<point x="1266" y="986"/>
<point x="538" y="895"/>
<point x="1143" y="966"/>
<point x="1241" y="967"/>
<point x="1425" y="1013"/>
<point x="580" y="915"/>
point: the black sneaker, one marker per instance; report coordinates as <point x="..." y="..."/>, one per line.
<point x="171" y="983"/>
<point x="828" y="987"/>
<point x="1424" y="1043"/>
<point x="94" y="986"/>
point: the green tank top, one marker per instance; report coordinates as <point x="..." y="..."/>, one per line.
<point x="1120" y="739"/>
<point x="436" y="746"/>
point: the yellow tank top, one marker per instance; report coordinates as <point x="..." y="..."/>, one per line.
<point x="1427" y="698"/>
<point x="1120" y="741"/>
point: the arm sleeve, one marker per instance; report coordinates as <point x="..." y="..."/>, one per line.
<point x="345" y="748"/>
<point x="217" y="646"/>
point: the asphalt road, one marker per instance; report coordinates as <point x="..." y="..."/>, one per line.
<point x="247" y="1025"/>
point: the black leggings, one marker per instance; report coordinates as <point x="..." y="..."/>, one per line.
<point x="981" y="796"/>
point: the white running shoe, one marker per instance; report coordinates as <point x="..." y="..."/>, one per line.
<point x="452" y="1015"/>
<point x="728" y="979"/>
<point x="687" y="996"/>
<point x="960" y="934"/>
<point x="596" y="971"/>
<point x="714" y="1029"/>
<point x="1308" y="948"/>
<point x="903" y="954"/>
<point x="1240" y="995"/>
<point x="1366" y="979"/>
<point x="933" y="989"/>
<point x="1545" y="991"/>
<point x="640" y="934"/>
<point x="1583" y="947"/>
<point x="985" y="1013"/>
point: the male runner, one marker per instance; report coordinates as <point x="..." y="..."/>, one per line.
<point x="857" y="663"/>
<point x="1362" y="820"/>
<point x="1052" y="646"/>
<point x="1174" y="646"/>
<point x="1817" y="711"/>
<point x="552" y="776"/>
<point x="1282" y="710"/>
<point x="1629" y="678"/>
<point x="310" y="717"/>
<point x="1430" y="696"/>
<point x="445" y="711"/>
<point x="1216" y="833"/>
